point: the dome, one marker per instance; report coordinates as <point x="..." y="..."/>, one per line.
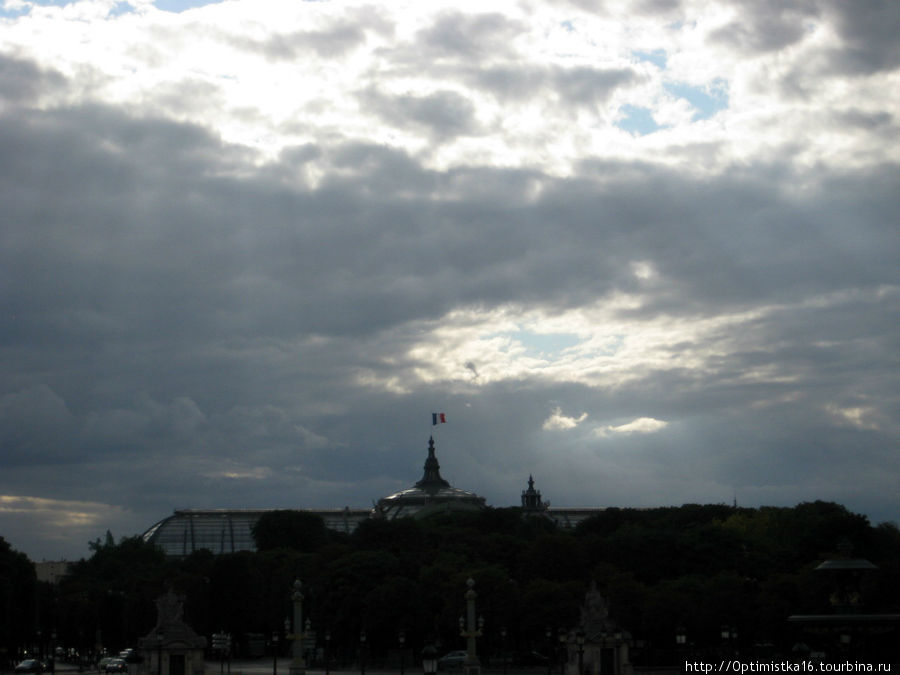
<point x="430" y="495"/>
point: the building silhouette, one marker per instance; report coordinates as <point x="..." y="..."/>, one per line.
<point x="231" y="530"/>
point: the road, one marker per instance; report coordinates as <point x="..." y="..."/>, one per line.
<point x="264" y="667"/>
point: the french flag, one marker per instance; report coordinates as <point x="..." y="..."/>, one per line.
<point x="438" y="418"/>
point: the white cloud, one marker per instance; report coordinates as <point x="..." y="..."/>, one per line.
<point x="642" y="425"/>
<point x="860" y="417"/>
<point x="557" y="421"/>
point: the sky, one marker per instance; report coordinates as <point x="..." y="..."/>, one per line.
<point x="645" y="251"/>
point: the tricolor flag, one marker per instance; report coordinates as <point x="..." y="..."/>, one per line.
<point x="438" y="418"/>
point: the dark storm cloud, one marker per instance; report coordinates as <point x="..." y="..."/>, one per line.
<point x="766" y="26"/>
<point x="577" y="86"/>
<point x="184" y="324"/>
<point x="198" y="253"/>
<point x="455" y="35"/>
<point x="873" y="122"/>
<point x="869" y="29"/>
<point x="866" y="33"/>
<point x="442" y="115"/>
<point x="331" y="42"/>
<point x="590" y="86"/>
<point x="21" y="80"/>
<point x="337" y="38"/>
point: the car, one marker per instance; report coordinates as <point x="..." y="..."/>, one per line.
<point x="452" y="660"/>
<point x="29" y="666"/>
<point x="116" y="666"/>
<point x="101" y="664"/>
<point x="130" y="655"/>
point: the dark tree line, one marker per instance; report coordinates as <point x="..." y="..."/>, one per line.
<point x="692" y="568"/>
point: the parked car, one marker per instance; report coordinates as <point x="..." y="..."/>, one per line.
<point x="29" y="666"/>
<point x="101" y="664"/>
<point x="130" y="655"/>
<point x="116" y="666"/>
<point x="452" y="660"/>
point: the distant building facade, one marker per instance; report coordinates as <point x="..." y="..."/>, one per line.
<point x="231" y="530"/>
<point x="51" y="571"/>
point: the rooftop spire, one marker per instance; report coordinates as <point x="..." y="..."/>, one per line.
<point x="531" y="498"/>
<point x="431" y="478"/>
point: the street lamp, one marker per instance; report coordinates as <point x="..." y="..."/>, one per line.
<point x="298" y="666"/>
<point x="362" y="652"/>
<point x="563" y="651"/>
<point x="160" y="638"/>
<point x="429" y="660"/>
<point x="307" y="635"/>
<point x="401" y="638"/>
<point x="503" y="643"/>
<point x="681" y="641"/>
<point x="548" y="633"/>
<point x="729" y="635"/>
<point x="275" y="652"/>
<point x="327" y="651"/>
<point x="579" y="638"/>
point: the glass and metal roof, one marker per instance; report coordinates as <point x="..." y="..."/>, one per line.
<point x="229" y="530"/>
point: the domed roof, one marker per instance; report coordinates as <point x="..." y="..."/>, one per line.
<point x="432" y="494"/>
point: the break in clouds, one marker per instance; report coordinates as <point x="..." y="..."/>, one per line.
<point x="646" y="252"/>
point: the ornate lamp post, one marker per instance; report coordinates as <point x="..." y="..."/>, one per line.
<point x="470" y="631"/>
<point x="298" y="666"/>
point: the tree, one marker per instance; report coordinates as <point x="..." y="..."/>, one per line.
<point x="290" y="529"/>
<point x="114" y="592"/>
<point x="17" y="599"/>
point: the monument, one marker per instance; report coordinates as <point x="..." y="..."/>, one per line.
<point x="598" y="644"/>
<point x="172" y="647"/>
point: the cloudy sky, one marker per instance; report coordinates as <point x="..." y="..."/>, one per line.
<point x="647" y="251"/>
